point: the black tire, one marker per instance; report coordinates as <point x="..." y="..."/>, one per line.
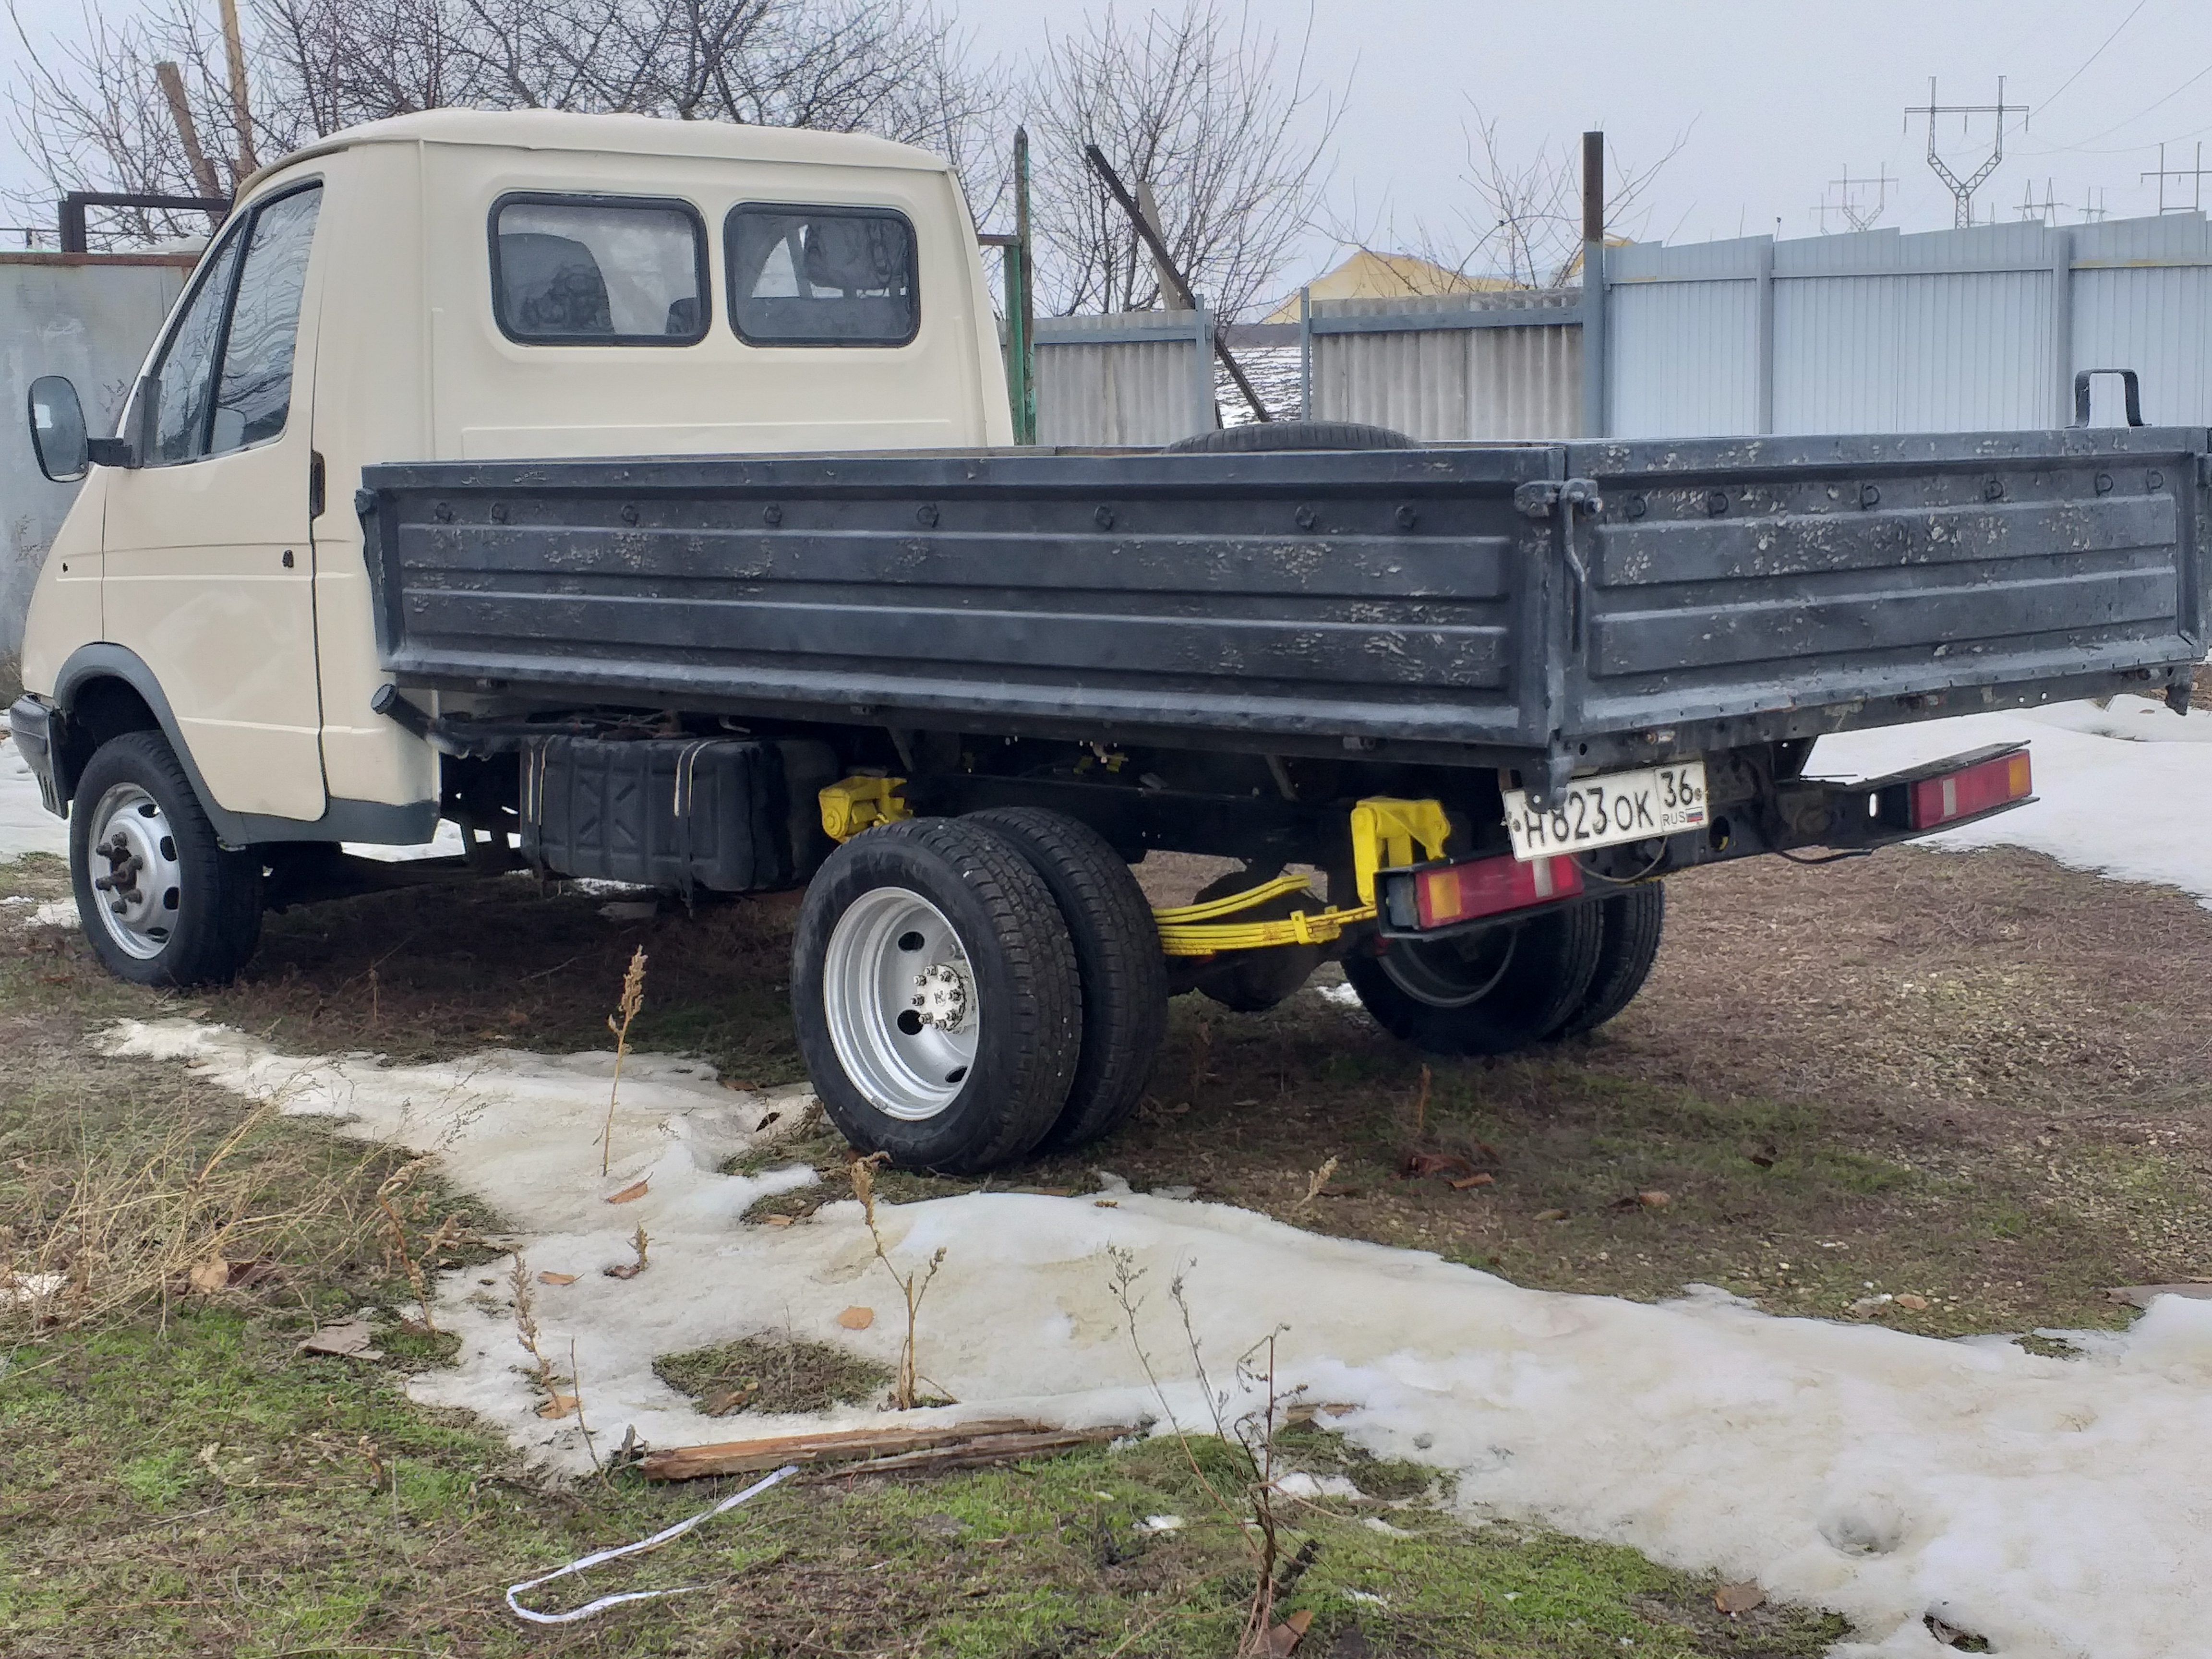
<point x="1253" y="981"/>
<point x="1291" y="435"/>
<point x="1630" y="924"/>
<point x="198" y="918"/>
<point x="1004" y="953"/>
<point x="1117" y="959"/>
<point x="1489" y="993"/>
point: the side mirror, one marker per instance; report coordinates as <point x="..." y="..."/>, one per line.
<point x="57" y="430"/>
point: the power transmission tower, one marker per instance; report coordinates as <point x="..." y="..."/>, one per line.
<point x="2093" y="210"/>
<point x="1856" y="214"/>
<point x="1962" y="190"/>
<point x="2195" y="175"/>
<point x="2046" y="211"/>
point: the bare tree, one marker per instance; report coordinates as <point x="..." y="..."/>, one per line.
<point x="1193" y="107"/>
<point x="93" y="115"/>
<point x="1526" y="225"/>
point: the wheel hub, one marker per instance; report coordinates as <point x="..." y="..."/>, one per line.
<point x="941" y="997"/>
<point x="138" y="878"/>
<point x="900" y="997"/>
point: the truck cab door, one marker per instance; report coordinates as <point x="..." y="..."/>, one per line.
<point x="210" y="574"/>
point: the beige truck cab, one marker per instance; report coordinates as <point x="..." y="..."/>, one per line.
<point x="199" y="656"/>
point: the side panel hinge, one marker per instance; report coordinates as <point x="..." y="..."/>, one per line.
<point x="1540" y="498"/>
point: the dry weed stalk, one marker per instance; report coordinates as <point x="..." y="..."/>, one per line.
<point x="633" y="999"/>
<point x="912" y="1287"/>
<point x="1421" y="1104"/>
<point x="1201" y="1060"/>
<point x="396" y="1242"/>
<point x="576" y="1394"/>
<point x="1316" y="1182"/>
<point x="1252" y="1435"/>
<point x="557" y="1404"/>
<point x="638" y="1241"/>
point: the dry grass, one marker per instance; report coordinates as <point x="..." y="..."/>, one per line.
<point x="771" y="1375"/>
<point x="99" y="1239"/>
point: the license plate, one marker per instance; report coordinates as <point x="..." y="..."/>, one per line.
<point x="1658" y="801"/>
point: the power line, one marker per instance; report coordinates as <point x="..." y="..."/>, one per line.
<point x="2092" y="57"/>
<point x="2129" y="122"/>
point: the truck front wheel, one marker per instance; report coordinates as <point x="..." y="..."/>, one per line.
<point x="934" y="990"/>
<point x="1488" y="992"/>
<point x="161" y="899"/>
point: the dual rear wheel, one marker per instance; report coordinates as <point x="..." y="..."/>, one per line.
<point x="968" y="990"/>
<point x="1554" y="976"/>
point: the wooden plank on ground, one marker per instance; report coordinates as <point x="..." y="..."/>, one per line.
<point x="831" y="1446"/>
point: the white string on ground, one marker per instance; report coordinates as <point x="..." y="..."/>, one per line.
<point x="667" y="1535"/>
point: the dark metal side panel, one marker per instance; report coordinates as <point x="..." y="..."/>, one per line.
<point x="1377" y="594"/>
<point x="1733" y="577"/>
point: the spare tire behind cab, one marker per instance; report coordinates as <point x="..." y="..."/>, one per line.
<point x="1291" y="435"/>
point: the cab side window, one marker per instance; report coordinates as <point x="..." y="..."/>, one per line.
<point x="598" y="270"/>
<point x="254" y="395"/>
<point x="182" y="384"/>
<point x="225" y="380"/>
<point x="821" y="276"/>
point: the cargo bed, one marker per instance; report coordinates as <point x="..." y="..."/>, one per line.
<point x="1598" y="602"/>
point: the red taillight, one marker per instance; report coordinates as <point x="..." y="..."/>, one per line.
<point x="1972" y="789"/>
<point x="1485" y="887"/>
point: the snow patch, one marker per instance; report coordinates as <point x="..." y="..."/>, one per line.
<point x="2122" y="787"/>
<point x="2054" y="1506"/>
<point x="26" y="826"/>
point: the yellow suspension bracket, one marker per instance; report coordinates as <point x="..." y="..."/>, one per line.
<point x="852" y="804"/>
<point x="1384" y="833"/>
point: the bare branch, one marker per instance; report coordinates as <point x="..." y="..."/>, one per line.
<point x="1192" y="104"/>
<point x="93" y="115"/>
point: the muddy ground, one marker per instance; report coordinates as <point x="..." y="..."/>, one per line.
<point x="1977" y="1080"/>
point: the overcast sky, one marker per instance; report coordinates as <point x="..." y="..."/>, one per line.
<point x="1774" y="101"/>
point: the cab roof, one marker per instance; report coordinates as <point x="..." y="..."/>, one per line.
<point x="629" y="134"/>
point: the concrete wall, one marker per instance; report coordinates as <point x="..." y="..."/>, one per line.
<point x="90" y="317"/>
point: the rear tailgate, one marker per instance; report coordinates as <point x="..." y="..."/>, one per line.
<point x="1880" y="578"/>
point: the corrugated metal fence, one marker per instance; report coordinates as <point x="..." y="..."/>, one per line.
<point x="1954" y="330"/>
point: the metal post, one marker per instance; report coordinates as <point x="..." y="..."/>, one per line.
<point x="2062" y="322"/>
<point x="1306" y="354"/>
<point x="1025" y="430"/>
<point x="1208" y="414"/>
<point x="1593" y="375"/>
<point x="1763" y="412"/>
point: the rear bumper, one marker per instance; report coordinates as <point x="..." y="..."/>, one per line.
<point x="31" y="723"/>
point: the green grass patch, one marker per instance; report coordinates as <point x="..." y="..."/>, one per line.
<point x="772" y="1374"/>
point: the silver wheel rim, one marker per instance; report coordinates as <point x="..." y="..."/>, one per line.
<point x="138" y="881"/>
<point x="1446" y="974"/>
<point x="899" y="995"/>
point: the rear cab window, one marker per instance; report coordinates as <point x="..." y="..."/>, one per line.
<point x="821" y="276"/>
<point x="598" y="270"/>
